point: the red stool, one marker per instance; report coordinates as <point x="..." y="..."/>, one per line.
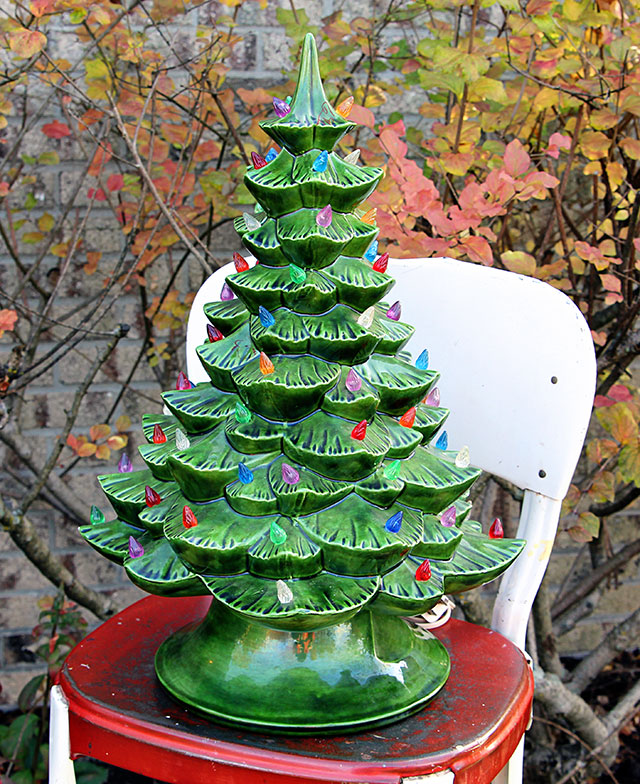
<point x="118" y="713"/>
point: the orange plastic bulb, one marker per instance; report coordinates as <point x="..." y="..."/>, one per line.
<point x="360" y="430"/>
<point x="409" y="417"/>
<point x="266" y="365"/>
<point x="344" y="109"/>
<point x="159" y="436"/>
<point x="189" y="520"/>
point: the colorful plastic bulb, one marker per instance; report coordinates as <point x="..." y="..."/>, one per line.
<point x="320" y="163"/>
<point x="395" y="311"/>
<point x="408" y="418"/>
<point x="423" y="572"/>
<point x="372" y="251"/>
<point x="433" y="398"/>
<point x="297" y="274"/>
<point x="135" y="548"/>
<point x="344" y="108"/>
<point x="159" y="436"/>
<point x="189" y="520"/>
<point x="243" y="414"/>
<point x="245" y="475"/>
<point x="250" y="222"/>
<point x="352" y="158"/>
<point x="183" y="382"/>
<point x="124" y="464"/>
<point x="96" y="516"/>
<point x="271" y="155"/>
<point x="443" y="440"/>
<point x="266" y="318"/>
<point x="182" y="442"/>
<point x="289" y="474"/>
<point x="359" y="431"/>
<point x="324" y="217"/>
<point x="394" y="523"/>
<point x="280" y="107"/>
<point x="448" y="518"/>
<point x="277" y="534"/>
<point x="213" y="333"/>
<point x="369" y="217"/>
<point x="285" y="594"/>
<point x="392" y="471"/>
<point x="240" y="262"/>
<point x="353" y="381"/>
<point x="496" y="531"/>
<point x="463" y="458"/>
<point x="380" y="264"/>
<point x="266" y="365"/>
<point x="365" y="319"/>
<point x="257" y="160"/>
<point x="151" y="498"/>
<point x="422" y="363"/>
<point x="226" y="295"/>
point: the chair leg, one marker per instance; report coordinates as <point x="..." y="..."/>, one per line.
<point x="512" y="771"/>
<point x="60" y="764"/>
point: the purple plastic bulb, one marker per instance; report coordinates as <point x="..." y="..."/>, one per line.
<point x="353" y="382"/>
<point x="433" y="398"/>
<point x="289" y="474"/>
<point x="394" y="311"/>
<point x="280" y="107"/>
<point x="325" y="216"/>
<point x="226" y="294"/>
<point x="124" y="464"/>
<point x="448" y="518"/>
<point x="135" y="548"/>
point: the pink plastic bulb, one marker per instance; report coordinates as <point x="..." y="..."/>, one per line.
<point x="289" y="474"/>
<point x="353" y="382"/>
<point x="433" y="398"/>
<point x="183" y="382"/>
<point x="280" y="107"/>
<point x="448" y="518"/>
<point x="226" y="294"/>
<point x="325" y="216"/>
<point x="394" y="311"/>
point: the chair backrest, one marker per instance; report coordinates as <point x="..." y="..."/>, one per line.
<point x="517" y="371"/>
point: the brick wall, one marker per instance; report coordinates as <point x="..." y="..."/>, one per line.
<point x="257" y="61"/>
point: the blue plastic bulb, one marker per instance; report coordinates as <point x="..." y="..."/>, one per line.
<point x="320" y="163"/>
<point x="443" y="440"/>
<point x="372" y="251"/>
<point x="394" y="523"/>
<point x="271" y="155"/>
<point x="245" y="475"/>
<point x="266" y="318"/>
<point x="422" y="363"/>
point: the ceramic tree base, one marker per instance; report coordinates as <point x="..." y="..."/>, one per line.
<point x="365" y="672"/>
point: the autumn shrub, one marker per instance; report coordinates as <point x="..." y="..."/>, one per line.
<point x="509" y="134"/>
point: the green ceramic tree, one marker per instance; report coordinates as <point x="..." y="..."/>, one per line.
<point x="301" y="487"/>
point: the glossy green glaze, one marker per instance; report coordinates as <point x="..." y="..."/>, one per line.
<point x="348" y="677"/>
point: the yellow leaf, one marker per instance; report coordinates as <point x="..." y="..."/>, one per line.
<point x="594" y="144"/>
<point x="518" y="261"/>
<point x="25" y="43"/>
<point x="123" y="423"/>
<point x="117" y="442"/>
<point x="631" y="148"/>
<point x="629" y="463"/>
<point x="99" y="431"/>
<point x="46" y="222"/>
<point x="103" y="452"/>
<point x="616" y="173"/>
<point x="86" y="450"/>
<point x="485" y="89"/>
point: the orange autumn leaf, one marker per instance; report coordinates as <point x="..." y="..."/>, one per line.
<point x="8" y="320"/>
<point x="99" y="431"/>
<point x="26" y="43"/>
<point x="56" y="130"/>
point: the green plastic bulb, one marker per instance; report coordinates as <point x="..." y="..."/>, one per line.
<point x="297" y="274"/>
<point x="277" y="534"/>
<point x="242" y="413"/>
<point x="97" y="516"/>
<point x="392" y="471"/>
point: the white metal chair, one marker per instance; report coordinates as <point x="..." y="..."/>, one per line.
<point x="517" y="371"/>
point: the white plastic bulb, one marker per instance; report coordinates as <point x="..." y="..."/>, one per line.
<point x="365" y="319"/>
<point x="285" y="595"/>
<point x="182" y="442"/>
<point x="462" y="458"/>
<point x="352" y="157"/>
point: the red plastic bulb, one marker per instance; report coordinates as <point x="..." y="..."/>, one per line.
<point x="496" y="531"/>
<point x="423" y="572"/>
<point x="380" y="264"/>
<point x="151" y="497"/>
<point x="359" y="431"/>
<point x="182" y="383"/>
<point x="213" y="333"/>
<point x="159" y="436"/>
<point x="408" y="418"/>
<point x="189" y="520"/>
<point x="257" y="160"/>
<point x="241" y="263"/>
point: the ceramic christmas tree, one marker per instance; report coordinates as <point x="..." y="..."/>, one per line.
<point x="307" y="487"/>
